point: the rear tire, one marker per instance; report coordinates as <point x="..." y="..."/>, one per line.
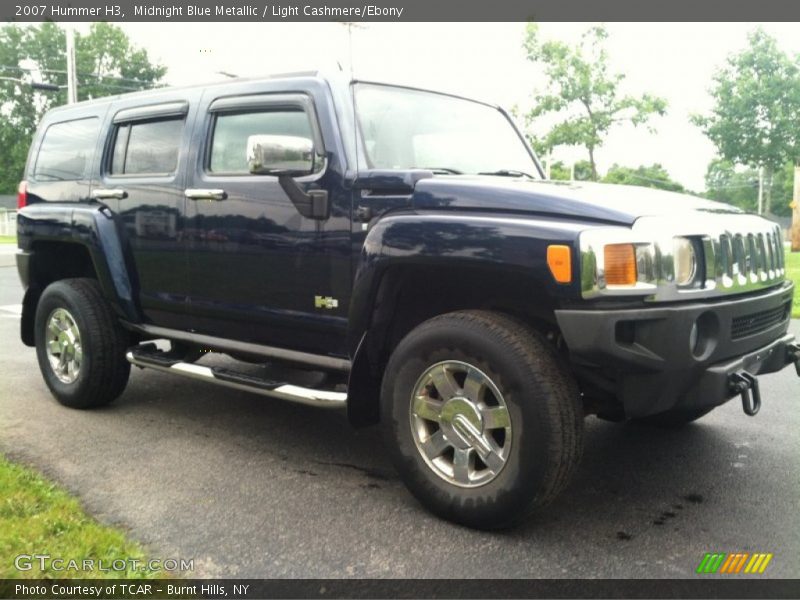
<point x="674" y="419"/>
<point x="428" y="401"/>
<point x="80" y="344"/>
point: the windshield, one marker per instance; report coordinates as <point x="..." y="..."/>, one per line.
<point x="412" y="129"/>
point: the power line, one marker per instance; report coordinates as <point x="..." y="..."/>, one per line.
<point x="95" y="75"/>
<point x="110" y="86"/>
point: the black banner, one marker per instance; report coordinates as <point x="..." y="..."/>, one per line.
<point x="701" y="587"/>
<point x="397" y="10"/>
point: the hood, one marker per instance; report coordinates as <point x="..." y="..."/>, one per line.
<point x="621" y="204"/>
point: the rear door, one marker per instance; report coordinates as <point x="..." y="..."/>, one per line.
<point x="259" y="271"/>
<point x="143" y="176"/>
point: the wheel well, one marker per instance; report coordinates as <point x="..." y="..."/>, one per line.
<point x="51" y="261"/>
<point x="408" y="296"/>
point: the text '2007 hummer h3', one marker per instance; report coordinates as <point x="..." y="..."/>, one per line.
<point x="402" y="249"/>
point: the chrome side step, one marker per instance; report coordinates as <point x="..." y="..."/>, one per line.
<point x="239" y="381"/>
<point x="330" y="363"/>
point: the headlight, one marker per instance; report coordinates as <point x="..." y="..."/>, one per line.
<point x="622" y="262"/>
<point x="685" y="261"/>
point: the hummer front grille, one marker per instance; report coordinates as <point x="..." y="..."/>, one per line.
<point x="735" y="253"/>
<point x="739" y="262"/>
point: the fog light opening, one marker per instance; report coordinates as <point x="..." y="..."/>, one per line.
<point x="694" y="337"/>
<point x="704" y="335"/>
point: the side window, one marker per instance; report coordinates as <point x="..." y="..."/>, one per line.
<point x="231" y="130"/>
<point x="66" y="150"/>
<point x="147" y="147"/>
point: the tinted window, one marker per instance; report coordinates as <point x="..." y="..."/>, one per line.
<point x="149" y="147"/>
<point x="66" y="150"/>
<point x="229" y="144"/>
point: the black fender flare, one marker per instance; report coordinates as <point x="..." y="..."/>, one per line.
<point x="94" y="228"/>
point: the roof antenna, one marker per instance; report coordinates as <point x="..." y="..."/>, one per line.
<point x="350" y="25"/>
<point x="338" y="64"/>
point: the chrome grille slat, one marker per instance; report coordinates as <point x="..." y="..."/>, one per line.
<point x="738" y="257"/>
<point x="748" y="254"/>
<point x="771" y="256"/>
<point x="762" y="257"/>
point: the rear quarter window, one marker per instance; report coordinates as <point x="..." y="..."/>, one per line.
<point x="66" y="150"/>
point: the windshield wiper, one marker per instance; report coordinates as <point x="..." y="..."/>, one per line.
<point x="507" y="173"/>
<point x="447" y="170"/>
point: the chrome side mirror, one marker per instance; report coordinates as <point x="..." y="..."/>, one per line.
<point x="280" y="155"/>
<point x="287" y="157"/>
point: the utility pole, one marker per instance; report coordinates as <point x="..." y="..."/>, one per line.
<point x="760" y="190"/>
<point x="72" y="84"/>
<point x="796" y="210"/>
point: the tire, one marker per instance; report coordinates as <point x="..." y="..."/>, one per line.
<point x="674" y="419"/>
<point x="99" y="371"/>
<point x="541" y="447"/>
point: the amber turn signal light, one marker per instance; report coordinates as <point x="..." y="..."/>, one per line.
<point x="559" y="259"/>
<point x="620" y="264"/>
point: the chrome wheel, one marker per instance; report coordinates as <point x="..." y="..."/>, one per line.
<point x="63" y="343"/>
<point x="460" y="423"/>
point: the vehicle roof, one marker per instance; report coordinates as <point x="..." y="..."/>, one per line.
<point x="171" y="89"/>
<point x="336" y="78"/>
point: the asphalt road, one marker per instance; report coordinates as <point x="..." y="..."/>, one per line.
<point x="250" y="487"/>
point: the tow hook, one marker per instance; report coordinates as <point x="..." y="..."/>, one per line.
<point x="746" y="385"/>
<point x="793" y="355"/>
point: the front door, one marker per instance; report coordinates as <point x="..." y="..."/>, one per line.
<point x="258" y="270"/>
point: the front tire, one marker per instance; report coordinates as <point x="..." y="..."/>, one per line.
<point x="483" y="422"/>
<point x="80" y="344"/>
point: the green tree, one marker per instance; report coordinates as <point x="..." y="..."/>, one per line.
<point x="781" y="190"/>
<point x="106" y="64"/>
<point x="728" y="183"/>
<point x="756" y="113"/>
<point x="654" y="176"/>
<point x="581" y="170"/>
<point x="581" y="86"/>
<point x="559" y="171"/>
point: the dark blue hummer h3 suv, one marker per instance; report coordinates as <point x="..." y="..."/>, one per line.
<point x="401" y="249"/>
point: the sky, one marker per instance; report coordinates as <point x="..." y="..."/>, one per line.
<point x="482" y="60"/>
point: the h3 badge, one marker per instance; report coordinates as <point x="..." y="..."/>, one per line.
<point x="325" y="302"/>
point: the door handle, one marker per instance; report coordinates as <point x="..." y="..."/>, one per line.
<point x="108" y="194"/>
<point x="196" y="194"/>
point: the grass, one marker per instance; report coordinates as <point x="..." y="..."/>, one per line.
<point x="8" y="239"/>
<point x="793" y="273"/>
<point x="38" y="517"/>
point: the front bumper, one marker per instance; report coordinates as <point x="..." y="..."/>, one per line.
<point x="654" y="362"/>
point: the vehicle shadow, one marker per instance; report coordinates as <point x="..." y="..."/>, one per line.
<point x="637" y="478"/>
<point x="626" y="467"/>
